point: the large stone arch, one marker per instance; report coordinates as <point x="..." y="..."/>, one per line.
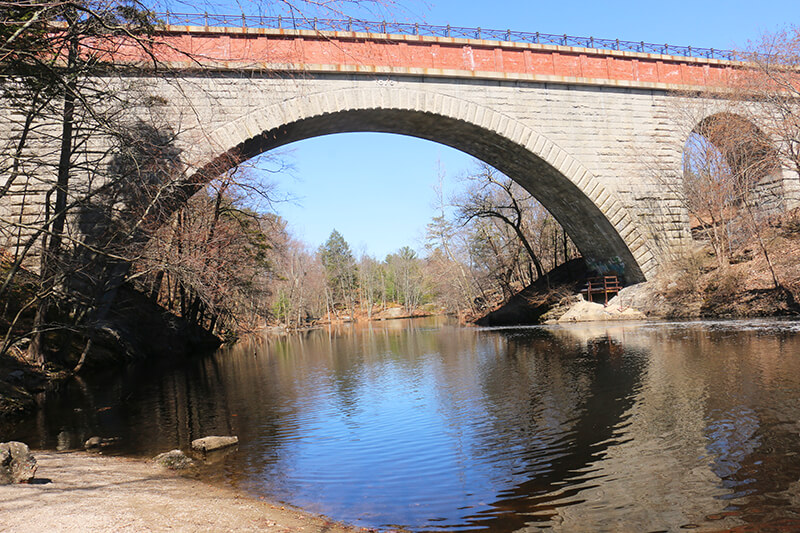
<point x="593" y="216"/>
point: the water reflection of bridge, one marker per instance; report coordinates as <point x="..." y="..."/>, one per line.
<point x="703" y="431"/>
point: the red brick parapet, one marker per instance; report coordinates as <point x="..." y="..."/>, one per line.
<point x="419" y="55"/>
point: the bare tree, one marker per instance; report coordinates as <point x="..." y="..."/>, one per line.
<point x="494" y="196"/>
<point x="769" y="91"/>
<point x="77" y="141"/>
<point x="454" y="282"/>
<point x="57" y="57"/>
<point x="299" y="287"/>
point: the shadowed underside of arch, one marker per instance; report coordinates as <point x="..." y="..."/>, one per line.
<point x="595" y="220"/>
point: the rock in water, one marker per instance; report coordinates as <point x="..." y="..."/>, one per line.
<point x="92" y="443"/>
<point x="17" y="465"/>
<point x="95" y="443"/>
<point x="207" y="444"/>
<point x="174" y="460"/>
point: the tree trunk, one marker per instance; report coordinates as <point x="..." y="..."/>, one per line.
<point x="36" y="349"/>
<point x="155" y="288"/>
<point x="50" y="256"/>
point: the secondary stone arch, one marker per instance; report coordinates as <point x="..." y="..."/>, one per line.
<point x="600" y="226"/>
<point x="745" y="146"/>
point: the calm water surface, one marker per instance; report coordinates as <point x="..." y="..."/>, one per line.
<point x="432" y="427"/>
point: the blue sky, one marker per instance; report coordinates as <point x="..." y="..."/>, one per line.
<point x="377" y="189"/>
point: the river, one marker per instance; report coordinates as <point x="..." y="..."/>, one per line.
<point x="427" y="426"/>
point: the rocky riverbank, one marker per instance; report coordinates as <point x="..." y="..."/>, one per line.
<point x="761" y="279"/>
<point x="576" y="309"/>
<point x="84" y="492"/>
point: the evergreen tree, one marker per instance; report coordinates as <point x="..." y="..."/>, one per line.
<point x="340" y="268"/>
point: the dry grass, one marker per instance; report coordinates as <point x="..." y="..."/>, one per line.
<point x="696" y="286"/>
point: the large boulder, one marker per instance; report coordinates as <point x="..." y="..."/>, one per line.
<point x="92" y="443"/>
<point x="583" y="311"/>
<point x="208" y="444"/>
<point x="17" y="465"/>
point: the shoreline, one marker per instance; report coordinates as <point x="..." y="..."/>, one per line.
<point x="81" y="491"/>
<point x="277" y="330"/>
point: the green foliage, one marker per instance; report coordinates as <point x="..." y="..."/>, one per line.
<point x="23" y="37"/>
<point x="340" y="268"/>
<point x="405" y="279"/>
<point x="280" y="307"/>
<point x="335" y="253"/>
<point x="439" y="232"/>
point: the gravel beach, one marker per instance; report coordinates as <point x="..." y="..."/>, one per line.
<point x="77" y="491"/>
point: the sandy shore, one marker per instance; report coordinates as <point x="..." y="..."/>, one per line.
<point x="82" y="492"/>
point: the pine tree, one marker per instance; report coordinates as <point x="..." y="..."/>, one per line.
<point x="340" y="267"/>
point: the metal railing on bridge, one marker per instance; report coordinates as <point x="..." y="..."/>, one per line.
<point x="407" y="28"/>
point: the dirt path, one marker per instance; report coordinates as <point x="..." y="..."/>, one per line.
<point x="82" y="492"/>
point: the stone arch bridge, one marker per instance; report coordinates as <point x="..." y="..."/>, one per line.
<point x="590" y="132"/>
